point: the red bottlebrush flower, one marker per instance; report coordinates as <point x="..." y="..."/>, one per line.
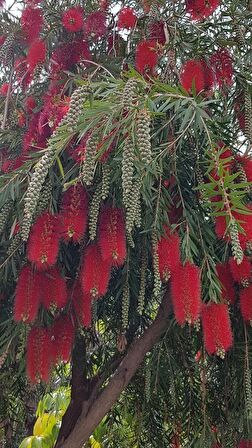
<point x="198" y="74"/>
<point x="168" y="254"/>
<point x="146" y="56"/>
<point x="221" y="227"/>
<point x="78" y="153"/>
<point x="38" y="363"/>
<point x="241" y="272"/>
<point x="112" y="236"/>
<point x="95" y="273"/>
<point x="95" y="25"/>
<point x="186" y="293"/>
<point x="216" y="328"/>
<point x="43" y="243"/>
<point x="23" y="74"/>
<point x="82" y="304"/>
<point x="246" y="224"/>
<point x="74" y="213"/>
<point x="36" y="54"/>
<point x="245" y="444"/>
<point x="21" y="119"/>
<point x="126" y="18"/>
<point x="68" y="54"/>
<point x="72" y="19"/>
<point x="53" y="289"/>
<point x="246" y="303"/>
<point x="221" y="62"/>
<point x="2" y="39"/>
<point x="156" y="32"/>
<point x="27" y="295"/>
<point x="227" y="284"/>
<point x="246" y="164"/>
<point x="30" y="104"/>
<point x="62" y="335"/>
<point x="200" y="9"/>
<point x="31" y="22"/>
<point x="4" y="89"/>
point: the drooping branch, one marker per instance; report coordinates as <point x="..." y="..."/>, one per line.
<point x="100" y="402"/>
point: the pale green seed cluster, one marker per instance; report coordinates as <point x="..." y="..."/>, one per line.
<point x="78" y="98"/>
<point x="248" y="390"/>
<point x="248" y="115"/>
<point x="147" y="382"/>
<point x="157" y="281"/>
<point x="133" y="209"/>
<point x="4" y="215"/>
<point x="143" y="136"/>
<point x="141" y="296"/>
<point x="44" y="199"/>
<point x="129" y="93"/>
<point x="105" y="181"/>
<point x="239" y="34"/>
<point x="237" y="251"/>
<point x="127" y="170"/>
<point x="94" y="212"/>
<point x="34" y="190"/>
<point x="14" y="244"/>
<point x="6" y="51"/>
<point x="88" y="166"/>
<point x="125" y="306"/>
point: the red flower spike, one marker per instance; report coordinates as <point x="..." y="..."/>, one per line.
<point x="27" y="295"/>
<point x="168" y="254"/>
<point x="43" y="243"/>
<point x="200" y="9"/>
<point x="53" y="289"/>
<point x="37" y="360"/>
<point x="146" y="56"/>
<point x="127" y="18"/>
<point x="222" y="64"/>
<point x="72" y="19"/>
<point x="186" y="293"/>
<point x="112" y="236"/>
<point x="36" y="54"/>
<point x="95" y="25"/>
<point x="246" y="303"/>
<point x="62" y="335"/>
<point x="30" y="104"/>
<point x="4" y="89"/>
<point x="82" y="304"/>
<point x="245" y="444"/>
<point x="216" y="328"/>
<point x="241" y="272"/>
<point x="31" y="22"/>
<point x="68" y="54"/>
<point x="198" y="73"/>
<point x="95" y="273"/>
<point x="74" y="213"/>
<point x="227" y="284"/>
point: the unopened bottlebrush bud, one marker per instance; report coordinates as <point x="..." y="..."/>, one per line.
<point x="95" y="272"/>
<point x="53" y="289"/>
<point x="74" y="213"/>
<point x="186" y="293"/>
<point x="216" y="328"/>
<point x="38" y="360"/>
<point x="43" y="244"/>
<point x="168" y="254"/>
<point x="112" y="237"/>
<point x="27" y="295"/>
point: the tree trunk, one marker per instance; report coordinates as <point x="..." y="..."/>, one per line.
<point x="101" y="401"/>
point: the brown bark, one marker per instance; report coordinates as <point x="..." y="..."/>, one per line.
<point x="101" y="401"/>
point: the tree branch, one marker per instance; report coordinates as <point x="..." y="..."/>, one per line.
<point x="99" y="404"/>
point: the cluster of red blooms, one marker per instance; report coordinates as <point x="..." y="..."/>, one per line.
<point x="202" y="75"/>
<point x="245" y="444"/>
<point x="41" y="283"/>
<point x="200" y="9"/>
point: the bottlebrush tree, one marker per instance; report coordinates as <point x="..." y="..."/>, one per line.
<point x="126" y="213"/>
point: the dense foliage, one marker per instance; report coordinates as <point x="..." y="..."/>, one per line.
<point x="126" y="181"/>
